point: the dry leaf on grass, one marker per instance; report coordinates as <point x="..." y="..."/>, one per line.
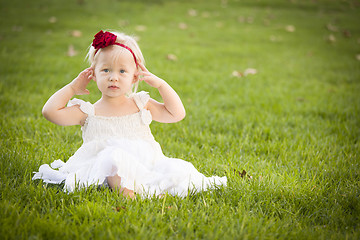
<point x="192" y="12"/>
<point x="16" y="28"/>
<point x="171" y="57"/>
<point x="290" y="28"/>
<point x="71" y="51"/>
<point x="224" y="3"/>
<point x="250" y="71"/>
<point x="237" y="74"/>
<point x="183" y="26"/>
<point x="275" y="38"/>
<point x="140" y="28"/>
<point x="52" y="19"/>
<point x="219" y="24"/>
<point x="123" y="23"/>
<point x="243" y="19"/>
<point x="266" y="22"/>
<point x="118" y="209"/>
<point x="332" y="27"/>
<point x="76" y="33"/>
<point x="331" y="38"/>
<point x="347" y="33"/>
<point x="205" y="15"/>
<point x="358" y="57"/>
<point x="242" y="174"/>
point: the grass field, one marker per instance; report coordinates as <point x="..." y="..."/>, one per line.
<point x="293" y="125"/>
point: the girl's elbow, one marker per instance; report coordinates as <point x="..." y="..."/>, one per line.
<point x="45" y="112"/>
<point x="181" y="116"/>
<point x="48" y="114"/>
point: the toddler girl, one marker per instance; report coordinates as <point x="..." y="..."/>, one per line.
<point x="118" y="148"/>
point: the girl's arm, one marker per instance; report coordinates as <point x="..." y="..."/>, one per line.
<point x="172" y="110"/>
<point x="55" y="109"/>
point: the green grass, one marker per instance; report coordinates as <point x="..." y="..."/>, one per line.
<point x="294" y="126"/>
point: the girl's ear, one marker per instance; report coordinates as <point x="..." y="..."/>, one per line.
<point x="136" y="78"/>
<point x="93" y="73"/>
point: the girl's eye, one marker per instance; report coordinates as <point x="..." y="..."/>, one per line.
<point x="105" y="70"/>
<point x="122" y="71"/>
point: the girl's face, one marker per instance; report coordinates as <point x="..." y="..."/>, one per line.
<point x="114" y="71"/>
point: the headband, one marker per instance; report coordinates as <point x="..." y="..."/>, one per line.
<point x="104" y="39"/>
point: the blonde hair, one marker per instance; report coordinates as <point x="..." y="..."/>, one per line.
<point x="122" y="38"/>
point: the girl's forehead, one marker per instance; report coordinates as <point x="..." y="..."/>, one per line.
<point x="114" y="55"/>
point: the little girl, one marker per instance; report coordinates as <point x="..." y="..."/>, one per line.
<point x="118" y="148"/>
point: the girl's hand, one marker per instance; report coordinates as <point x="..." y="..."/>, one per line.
<point x="149" y="78"/>
<point x="81" y="81"/>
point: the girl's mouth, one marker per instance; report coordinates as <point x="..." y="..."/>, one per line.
<point x="113" y="87"/>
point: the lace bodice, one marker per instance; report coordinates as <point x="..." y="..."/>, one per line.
<point x="133" y="126"/>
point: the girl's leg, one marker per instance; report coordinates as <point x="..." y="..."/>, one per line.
<point x="115" y="184"/>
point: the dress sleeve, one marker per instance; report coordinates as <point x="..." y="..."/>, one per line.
<point x="141" y="99"/>
<point x="85" y="107"/>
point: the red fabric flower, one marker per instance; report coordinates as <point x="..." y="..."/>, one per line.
<point x="103" y="39"/>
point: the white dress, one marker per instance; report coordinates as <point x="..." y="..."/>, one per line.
<point x="125" y="146"/>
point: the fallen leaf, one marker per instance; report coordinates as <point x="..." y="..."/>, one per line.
<point x="17" y="28"/>
<point x="242" y="174"/>
<point x="219" y="24"/>
<point x="266" y="22"/>
<point x="331" y="38"/>
<point x="183" y="26"/>
<point x="249" y="71"/>
<point x="123" y="23"/>
<point x="76" y="33"/>
<point x="275" y="38"/>
<point x="205" y="15"/>
<point x="358" y="57"/>
<point x="300" y="99"/>
<point x="52" y="19"/>
<point x="237" y="74"/>
<point x="71" y="51"/>
<point x="140" y="28"/>
<point x="192" y="12"/>
<point x="347" y="33"/>
<point x="250" y="20"/>
<point x="241" y="19"/>
<point x="171" y="57"/>
<point x="290" y="28"/>
<point x="119" y="208"/>
<point x="332" y="27"/>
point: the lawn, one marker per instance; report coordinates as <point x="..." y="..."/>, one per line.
<point x="270" y="86"/>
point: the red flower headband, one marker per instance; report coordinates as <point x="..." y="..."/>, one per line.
<point x="104" y="39"/>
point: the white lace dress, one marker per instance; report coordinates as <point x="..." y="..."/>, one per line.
<point x="125" y="146"/>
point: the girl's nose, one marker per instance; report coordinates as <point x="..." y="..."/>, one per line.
<point x="113" y="77"/>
